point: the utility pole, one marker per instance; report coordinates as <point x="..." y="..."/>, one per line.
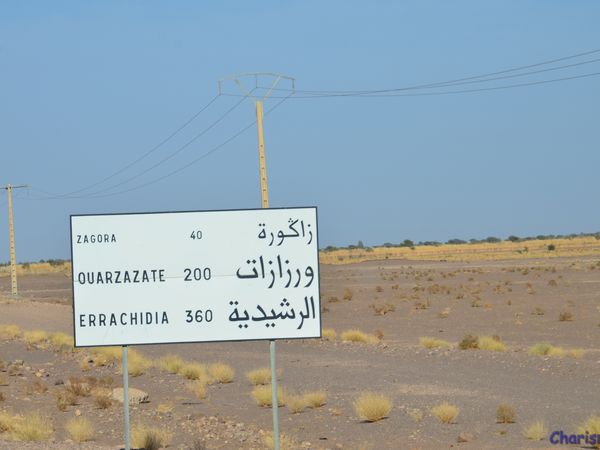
<point x="275" y="79"/>
<point x="11" y="230"/>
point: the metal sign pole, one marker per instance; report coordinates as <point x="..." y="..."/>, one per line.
<point x="126" y="398"/>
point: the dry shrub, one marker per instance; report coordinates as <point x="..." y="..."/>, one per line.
<point x="102" y="398"/>
<point x="372" y="407"/>
<point x="381" y="309"/>
<point x="359" y="337"/>
<point x="195" y="371"/>
<point x="32" y="427"/>
<point x="264" y="397"/>
<point x="198" y="388"/>
<point x="552" y="283"/>
<point x="315" y="399"/>
<point x="540" y="349"/>
<point x="535" y="431"/>
<point x="65" y="399"/>
<point x="348" y="294"/>
<point x="491" y="343"/>
<point x="415" y="414"/>
<point x="35" y="337"/>
<point x="84" y="364"/>
<point x="10" y="331"/>
<point x="505" y="414"/>
<point x="221" y="372"/>
<point x="285" y="442"/>
<point x="2" y="397"/>
<point x="565" y="316"/>
<point x="62" y="342"/>
<point x="445" y="412"/>
<point x="422" y="305"/>
<point x="137" y="364"/>
<point x="295" y="403"/>
<point x="103" y="356"/>
<point x="7" y="422"/>
<point x="333" y="299"/>
<point x="150" y="437"/>
<point x="80" y="429"/>
<point x="545" y="349"/>
<point x="537" y="311"/>
<point x="259" y="376"/>
<point x="36" y="387"/>
<point x="165" y="408"/>
<point x="80" y="387"/>
<point x="469" y="342"/>
<point x="378" y="289"/>
<point x="429" y="342"/>
<point x="170" y="363"/>
<point x="328" y="334"/>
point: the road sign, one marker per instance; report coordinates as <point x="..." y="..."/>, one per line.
<point x="196" y="276"/>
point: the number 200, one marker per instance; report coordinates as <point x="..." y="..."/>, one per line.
<point x="197" y="274"/>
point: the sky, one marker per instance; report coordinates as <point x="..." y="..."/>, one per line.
<point x="88" y="91"/>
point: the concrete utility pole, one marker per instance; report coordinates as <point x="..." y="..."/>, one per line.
<point x="274" y="79"/>
<point x="11" y="230"/>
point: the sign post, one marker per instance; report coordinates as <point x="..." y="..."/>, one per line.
<point x="126" y="398"/>
<point x="196" y="276"/>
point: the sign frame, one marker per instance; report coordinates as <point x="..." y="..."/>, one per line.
<point x="160" y="342"/>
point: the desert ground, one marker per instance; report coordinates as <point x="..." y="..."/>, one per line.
<point x="396" y="303"/>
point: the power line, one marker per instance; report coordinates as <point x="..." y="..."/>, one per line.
<point x="181" y="168"/>
<point x="143" y="156"/>
<point x="457" y="81"/>
<point x="172" y="154"/>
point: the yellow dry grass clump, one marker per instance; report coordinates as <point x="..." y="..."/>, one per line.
<point x="295" y="403"/>
<point x="35" y="337"/>
<point x="328" y="334"/>
<point x="170" y="363"/>
<point x="32" y="427"/>
<point x="315" y="399"/>
<point x="264" y="397"/>
<point x="260" y="376"/>
<point x="445" y="412"/>
<point x="492" y="344"/>
<point x="80" y="429"/>
<point x="359" y="337"/>
<point x="10" y="331"/>
<point x="372" y="407"/>
<point x="137" y="364"/>
<point x="196" y="371"/>
<point x="198" y="388"/>
<point x="535" y="431"/>
<point x="150" y="437"/>
<point x="62" y="341"/>
<point x="429" y="342"/>
<point x="545" y="349"/>
<point x="7" y="422"/>
<point x="103" y="356"/>
<point x="221" y="372"/>
<point x="285" y="442"/>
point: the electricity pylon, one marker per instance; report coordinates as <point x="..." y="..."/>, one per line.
<point x="274" y="81"/>
<point x="11" y="230"/>
<point x="264" y="190"/>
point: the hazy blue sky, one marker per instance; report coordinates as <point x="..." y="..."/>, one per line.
<point x="88" y="87"/>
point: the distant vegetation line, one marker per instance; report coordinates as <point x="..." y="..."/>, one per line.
<point x="490" y="240"/>
<point x="490" y="248"/>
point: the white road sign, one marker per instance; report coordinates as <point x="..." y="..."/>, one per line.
<point x="195" y="276"/>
